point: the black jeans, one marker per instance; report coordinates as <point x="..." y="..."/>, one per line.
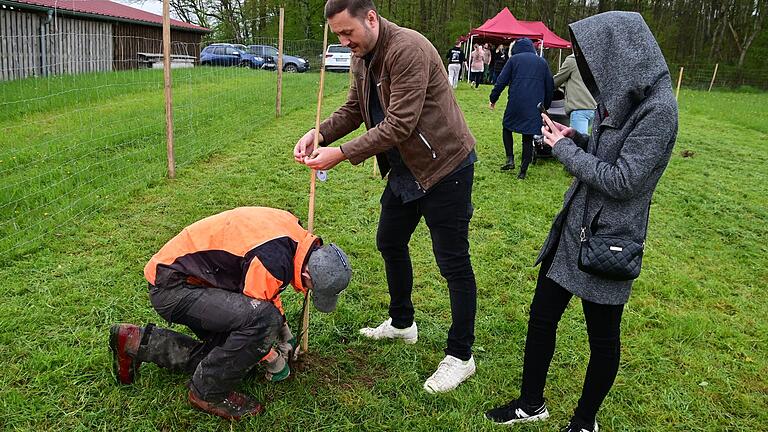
<point x="236" y="332"/>
<point x="506" y="136"/>
<point x="446" y="209"/>
<point x="603" y="328"/>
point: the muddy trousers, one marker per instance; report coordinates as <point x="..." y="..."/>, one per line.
<point x="235" y="332"/>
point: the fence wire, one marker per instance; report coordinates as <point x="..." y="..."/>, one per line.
<point x="83" y="127"/>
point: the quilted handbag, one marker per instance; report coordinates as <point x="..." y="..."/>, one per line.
<point x="609" y="257"/>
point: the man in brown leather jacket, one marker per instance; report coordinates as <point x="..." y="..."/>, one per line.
<point x="419" y="136"/>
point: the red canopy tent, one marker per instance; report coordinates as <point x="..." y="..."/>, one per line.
<point x="505" y="26"/>
<point x="551" y="40"/>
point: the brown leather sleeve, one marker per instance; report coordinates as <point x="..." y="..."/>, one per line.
<point x="344" y="120"/>
<point x="408" y="72"/>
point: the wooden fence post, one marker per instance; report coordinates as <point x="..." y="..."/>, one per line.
<point x="679" y="81"/>
<point x="168" y="94"/>
<point x="279" y="101"/>
<point x="713" y="77"/>
<point x="311" y="214"/>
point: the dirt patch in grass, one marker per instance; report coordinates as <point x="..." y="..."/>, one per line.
<point x="352" y="370"/>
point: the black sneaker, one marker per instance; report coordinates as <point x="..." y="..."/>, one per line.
<point x="575" y="425"/>
<point x="517" y="412"/>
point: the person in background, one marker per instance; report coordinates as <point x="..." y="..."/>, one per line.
<point x="530" y="82"/>
<point x="222" y="277"/>
<point x="456" y="60"/>
<point x="476" y="65"/>
<point x="500" y="58"/>
<point x="487" y="58"/>
<point x="616" y="171"/>
<point x="579" y="103"/>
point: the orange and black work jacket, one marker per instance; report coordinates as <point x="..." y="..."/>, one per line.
<point x="256" y="251"/>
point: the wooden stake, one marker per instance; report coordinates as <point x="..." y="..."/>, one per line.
<point x="679" y="81"/>
<point x="714" y="74"/>
<point x="168" y="94"/>
<point x="279" y="101"/>
<point x="311" y="215"/>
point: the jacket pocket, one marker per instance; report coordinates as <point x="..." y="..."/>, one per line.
<point x="426" y="143"/>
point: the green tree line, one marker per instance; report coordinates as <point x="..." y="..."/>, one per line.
<point x="731" y="32"/>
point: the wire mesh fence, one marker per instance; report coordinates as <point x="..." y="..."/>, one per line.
<point x="82" y="129"/>
<point x="719" y="76"/>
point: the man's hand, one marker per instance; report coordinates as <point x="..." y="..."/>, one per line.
<point x="492" y="106"/>
<point x="285" y="341"/>
<point x="554" y="131"/>
<point x="324" y="158"/>
<point x="305" y="146"/>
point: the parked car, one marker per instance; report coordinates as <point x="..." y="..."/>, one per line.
<point x="290" y="63"/>
<point x="225" y="54"/>
<point x="338" y="58"/>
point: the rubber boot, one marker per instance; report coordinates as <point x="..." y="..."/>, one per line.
<point x="510" y="157"/>
<point x="171" y="350"/>
<point x="124" y="342"/>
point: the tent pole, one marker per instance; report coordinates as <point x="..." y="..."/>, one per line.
<point x="559" y="58"/>
<point x="466" y="54"/>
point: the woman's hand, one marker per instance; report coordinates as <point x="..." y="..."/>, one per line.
<point x="554" y="131"/>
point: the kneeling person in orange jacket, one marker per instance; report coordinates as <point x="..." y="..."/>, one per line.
<point x="222" y="277"/>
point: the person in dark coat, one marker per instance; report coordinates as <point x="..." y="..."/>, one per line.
<point x="616" y="171"/>
<point x="530" y="82"/>
<point x="500" y="58"/>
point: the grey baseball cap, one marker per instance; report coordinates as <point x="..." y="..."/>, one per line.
<point x="330" y="272"/>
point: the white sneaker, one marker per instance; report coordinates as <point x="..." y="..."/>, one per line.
<point x="449" y="374"/>
<point x="385" y="330"/>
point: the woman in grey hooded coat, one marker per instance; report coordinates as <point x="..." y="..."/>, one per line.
<point x="618" y="168"/>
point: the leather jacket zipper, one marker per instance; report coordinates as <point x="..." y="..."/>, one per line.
<point x="426" y="143"/>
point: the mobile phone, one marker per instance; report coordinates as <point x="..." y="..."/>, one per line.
<point x="542" y="110"/>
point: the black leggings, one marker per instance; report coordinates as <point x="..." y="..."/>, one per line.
<point x="506" y="136"/>
<point x="603" y="328"/>
<point x="476" y="77"/>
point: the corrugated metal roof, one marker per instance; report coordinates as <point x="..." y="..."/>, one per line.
<point x="109" y="9"/>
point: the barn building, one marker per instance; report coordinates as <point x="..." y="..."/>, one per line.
<point x="54" y="37"/>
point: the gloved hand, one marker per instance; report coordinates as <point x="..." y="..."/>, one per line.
<point x="286" y="342"/>
<point x="280" y="375"/>
<point x="276" y="366"/>
<point x="276" y="361"/>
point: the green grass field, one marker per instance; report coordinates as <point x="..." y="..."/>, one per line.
<point x="694" y="354"/>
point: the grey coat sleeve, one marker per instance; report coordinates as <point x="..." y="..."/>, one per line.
<point x="646" y="146"/>
<point x="581" y="140"/>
